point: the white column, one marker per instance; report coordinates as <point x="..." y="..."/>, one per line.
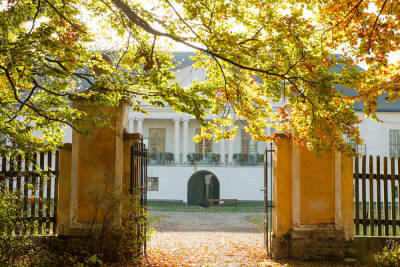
<point x="140" y="125"/>
<point x="267" y="133"/>
<point x="222" y="149"/>
<point x="131" y="125"/>
<point x="207" y="180"/>
<point x="230" y="152"/>
<point x="185" y="139"/>
<point x="176" y="140"/>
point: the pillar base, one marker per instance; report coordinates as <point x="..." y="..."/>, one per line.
<point x="313" y="244"/>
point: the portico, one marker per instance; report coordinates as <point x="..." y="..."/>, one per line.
<point x="179" y="133"/>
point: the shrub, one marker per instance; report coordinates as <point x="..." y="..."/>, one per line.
<point x="109" y="242"/>
<point x="104" y="243"/>
<point x="13" y="242"/>
<point x="389" y="256"/>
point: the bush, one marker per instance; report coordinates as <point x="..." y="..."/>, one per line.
<point x="13" y="242"/>
<point x="104" y="243"/>
<point x="110" y="243"/>
<point x="389" y="256"/>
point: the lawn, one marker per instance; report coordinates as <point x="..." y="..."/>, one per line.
<point x="257" y="220"/>
<point x="154" y="219"/>
<point x="243" y="206"/>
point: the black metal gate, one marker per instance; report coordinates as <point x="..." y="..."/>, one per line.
<point x="268" y="197"/>
<point x="138" y="188"/>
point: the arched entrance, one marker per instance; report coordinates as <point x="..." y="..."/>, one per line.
<point x="200" y="184"/>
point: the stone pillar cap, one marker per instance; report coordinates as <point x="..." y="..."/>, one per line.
<point x="129" y="136"/>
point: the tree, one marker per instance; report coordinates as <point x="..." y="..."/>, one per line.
<point x="45" y="56"/>
<point x="46" y="61"/>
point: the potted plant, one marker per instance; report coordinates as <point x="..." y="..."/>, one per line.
<point x="170" y="157"/>
<point x="215" y="158"/>
<point x="152" y="157"/>
<point x="260" y="158"/>
<point x="197" y="156"/>
<point x="240" y="158"/>
<point x="190" y="158"/>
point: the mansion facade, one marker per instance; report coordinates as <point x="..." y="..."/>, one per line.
<point x="178" y="168"/>
<point x="175" y="159"/>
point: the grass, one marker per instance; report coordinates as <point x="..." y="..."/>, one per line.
<point x="257" y="220"/>
<point x="369" y="233"/>
<point x="181" y="206"/>
<point x="154" y="219"/>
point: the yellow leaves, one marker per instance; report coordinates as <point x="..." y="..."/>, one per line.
<point x="214" y="249"/>
<point x="348" y="100"/>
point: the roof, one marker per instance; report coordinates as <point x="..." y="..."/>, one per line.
<point x="182" y="59"/>
<point x="186" y="74"/>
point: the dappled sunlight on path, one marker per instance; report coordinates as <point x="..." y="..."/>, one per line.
<point x="205" y="248"/>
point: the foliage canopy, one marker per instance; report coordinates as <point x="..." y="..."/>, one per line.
<point x="289" y="46"/>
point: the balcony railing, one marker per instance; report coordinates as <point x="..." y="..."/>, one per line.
<point x="203" y="159"/>
<point x="163" y="158"/>
<point x="248" y="159"/>
<point x="212" y="159"/>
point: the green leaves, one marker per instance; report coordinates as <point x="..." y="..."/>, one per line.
<point x="256" y="53"/>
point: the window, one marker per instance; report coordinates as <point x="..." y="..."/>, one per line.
<point x="156" y="140"/>
<point x="394" y="143"/>
<point x="359" y="149"/>
<point x="152" y="183"/>
<point x="248" y="145"/>
<point x="204" y="146"/>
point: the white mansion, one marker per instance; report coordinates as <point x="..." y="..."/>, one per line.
<point x="178" y="165"/>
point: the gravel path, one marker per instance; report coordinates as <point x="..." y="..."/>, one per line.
<point x="206" y="239"/>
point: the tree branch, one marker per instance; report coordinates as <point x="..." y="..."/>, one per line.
<point x="376" y="21"/>
<point x="134" y="18"/>
<point x="348" y="13"/>
<point x="31" y="106"/>
<point x="65" y="18"/>
<point x="47" y="90"/>
<point x="34" y="18"/>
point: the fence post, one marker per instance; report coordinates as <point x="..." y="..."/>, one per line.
<point x="346" y="193"/>
<point x="97" y="169"/>
<point x="313" y="203"/>
<point x="64" y="190"/>
<point x="282" y="195"/>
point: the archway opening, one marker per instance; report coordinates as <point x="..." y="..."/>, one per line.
<point x="202" y="185"/>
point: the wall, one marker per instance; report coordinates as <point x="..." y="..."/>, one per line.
<point x="242" y="183"/>
<point x="376" y="134"/>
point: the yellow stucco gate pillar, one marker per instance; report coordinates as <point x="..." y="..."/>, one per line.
<point x="92" y="174"/>
<point x="313" y="199"/>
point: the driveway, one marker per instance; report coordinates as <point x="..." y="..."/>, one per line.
<point x="206" y="239"/>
